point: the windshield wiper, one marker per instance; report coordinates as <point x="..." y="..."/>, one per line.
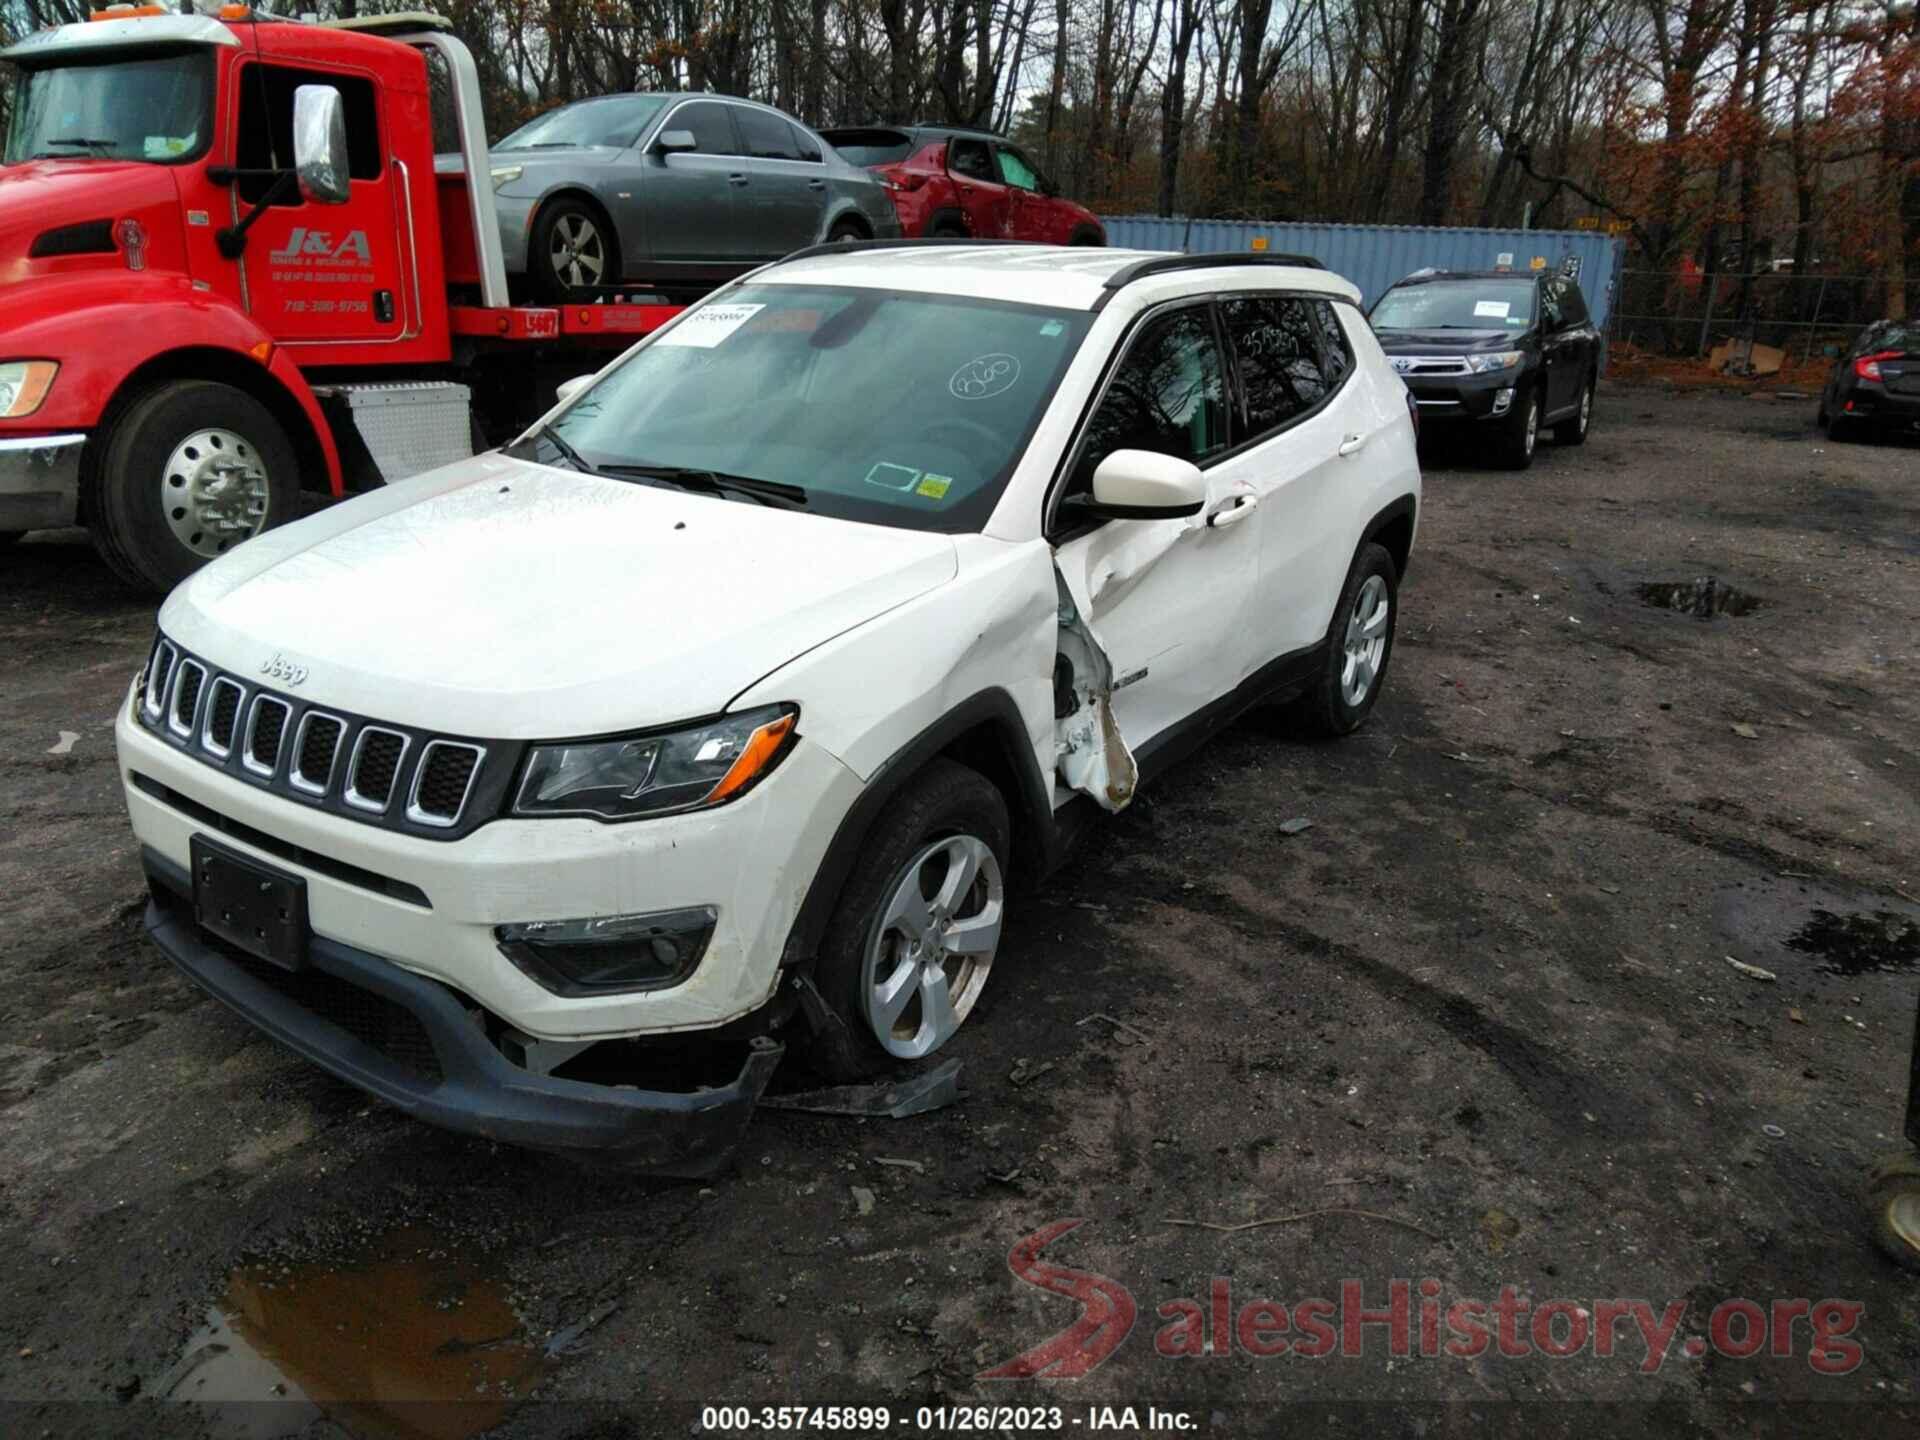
<point x="100" y="147"/>
<point x="567" y="453"/>
<point x="716" y="482"/>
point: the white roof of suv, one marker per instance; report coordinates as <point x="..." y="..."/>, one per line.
<point x="1065" y="277"/>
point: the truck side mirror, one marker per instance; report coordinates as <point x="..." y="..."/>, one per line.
<point x="672" y="142"/>
<point x="320" y="145"/>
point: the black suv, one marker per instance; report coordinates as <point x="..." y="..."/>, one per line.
<point x="1508" y="350"/>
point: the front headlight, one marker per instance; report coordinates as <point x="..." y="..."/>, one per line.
<point x="1488" y="364"/>
<point x="506" y="175"/>
<point x="24" y="385"/>
<point x="656" y="774"/>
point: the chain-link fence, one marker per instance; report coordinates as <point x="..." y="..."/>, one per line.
<point x="1687" y="314"/>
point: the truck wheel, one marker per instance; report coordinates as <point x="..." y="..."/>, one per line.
<point x="1521" y="432"/>
<point x="573" y="251"/>
<point x="1893" y="1192"/>
<point x="1574" y="431"/>
<point x="1359" y="645"/>
<point x="190" y="470"/>
<point x="913" y="937"/>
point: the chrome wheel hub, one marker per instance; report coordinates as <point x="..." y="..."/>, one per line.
<point x="929" y="955"/>
<point x="1366" y="642"/>
<point x="215" y="491"/>
<point x="579" y="257"/>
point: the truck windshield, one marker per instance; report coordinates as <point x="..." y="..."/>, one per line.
<point x="891" y="407"/>
<point x="143" y="106"/>
<point x="616" y="121"/>
<point x="1463" y="304"/>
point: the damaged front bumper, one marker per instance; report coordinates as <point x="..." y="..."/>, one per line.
<point x="420" y="1046"/>
<point x="39" y="481"/>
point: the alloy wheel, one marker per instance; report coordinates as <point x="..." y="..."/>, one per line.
<point x="929" y="955"/>
<point x="578" y="253"/>
<point x="1366" y="642"/>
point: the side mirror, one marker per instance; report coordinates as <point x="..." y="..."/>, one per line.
<point x="673" y="142"/>
<point x="1142" y="485"/>
<point x="320" y="145"/>
<point x="1049" y="186"/>
<point x="567" y="389"/>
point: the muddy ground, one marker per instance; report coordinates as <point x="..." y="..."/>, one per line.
<point x="1482" y="1011"/>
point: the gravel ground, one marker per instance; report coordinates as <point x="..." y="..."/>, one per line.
<point x="1475" y="1029"/>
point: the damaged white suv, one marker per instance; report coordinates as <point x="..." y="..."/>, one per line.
<point x="552" y="794"/>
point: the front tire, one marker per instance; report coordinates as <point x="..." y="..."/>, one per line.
<point x="190" y="470"/>
<point x="1574" y="431"/>
<point x="1521" y="433"/>
<point x="913" y="936"/>
<point x="1893" y="1193"/>
<point x="1359" y="647"/>
<point x="573" y="252"/>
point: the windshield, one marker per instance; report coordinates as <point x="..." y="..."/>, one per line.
<point x="880" y="405"/>
<point x="145" y="106"/>
<point x="1492" y="304"/>
<point x="616" y="122"/>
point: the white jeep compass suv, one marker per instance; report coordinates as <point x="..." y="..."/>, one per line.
<point x="552" y="794"/>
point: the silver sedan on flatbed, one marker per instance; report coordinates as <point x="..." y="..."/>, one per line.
<point x="669" y="188"/>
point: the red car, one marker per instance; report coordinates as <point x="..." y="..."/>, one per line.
<point x="966" y="183"/>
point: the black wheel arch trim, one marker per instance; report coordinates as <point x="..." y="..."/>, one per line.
<point x="1405" y="507"/>
<point x="1036" y="840"/>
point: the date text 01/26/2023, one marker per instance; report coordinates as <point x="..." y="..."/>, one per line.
<point x="941" y="1419"/>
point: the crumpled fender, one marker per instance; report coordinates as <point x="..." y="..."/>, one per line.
<point x="1089" y="752"/>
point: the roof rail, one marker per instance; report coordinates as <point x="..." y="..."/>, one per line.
<point x="843" y="247"/>
<point x="1165" y="264"/>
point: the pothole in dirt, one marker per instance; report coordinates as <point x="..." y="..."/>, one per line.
<point x="1705" y="597"/>
<point x="414" y="1341"/>
<point x="1860" y="941"/>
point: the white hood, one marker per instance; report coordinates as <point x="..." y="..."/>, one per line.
<point x="502" y="599"/>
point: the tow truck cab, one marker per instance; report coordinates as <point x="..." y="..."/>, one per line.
<point x="250" y="206"/>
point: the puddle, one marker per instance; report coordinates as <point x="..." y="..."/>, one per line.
<point x="413" y="1343"/>
<point x="1856" y="943"/>
<point x="1704" y="596"/>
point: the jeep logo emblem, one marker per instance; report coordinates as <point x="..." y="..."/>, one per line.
<point x="284" y="670"/>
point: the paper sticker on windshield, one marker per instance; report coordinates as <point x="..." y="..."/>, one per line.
<point x="709" y="325"/>
<point x="166" y="147"/>
<point x="933" y="486"/>
<point x="984" y="377"/>
<point x="892" y="477"/>
<point x="1491" y="309"/>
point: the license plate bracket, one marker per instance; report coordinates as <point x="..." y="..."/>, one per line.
<point x="260" y="910"/>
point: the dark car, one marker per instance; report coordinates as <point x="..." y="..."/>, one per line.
<point x="960" y="184"/>
<point x="1876" y="384"/>
<point x="1501" y="351"/>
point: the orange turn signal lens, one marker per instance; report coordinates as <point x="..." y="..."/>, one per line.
<point x="23" y="387"/>
<point x="755" y="756"/>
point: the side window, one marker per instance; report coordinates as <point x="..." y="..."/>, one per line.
<point x="970" y="158"/>
<point x="1168" y="396"/>
<point x="766" y="136"/>
<point x="1014" y="169"/>
<point x="711" y="124"/>
<point x="1336" y="353"/>
<point x="1279" y="358"/>
<point x="1573" y="305"/>
<point x="266" y="125"/>
<point x="805" y="147"/>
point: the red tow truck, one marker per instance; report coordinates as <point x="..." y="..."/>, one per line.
<point x="229" y="272"/>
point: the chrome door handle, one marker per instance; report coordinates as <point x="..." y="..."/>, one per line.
<point x="736" y="179"/>
<point x="1233" y="514"/>
<point x="816" y="184"/>
<point x="1352" y="444"/>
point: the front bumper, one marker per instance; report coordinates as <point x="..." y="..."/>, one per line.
<point x="414" y="1043"/>
<point x="39" y="481"/>
<point x="1465" y="397"/>
<point x="515" y="214"/>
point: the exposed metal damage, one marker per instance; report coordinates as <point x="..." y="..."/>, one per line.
<point x="1089" y="754"/>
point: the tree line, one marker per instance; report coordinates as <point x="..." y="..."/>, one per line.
<point x="1716" y="134"/>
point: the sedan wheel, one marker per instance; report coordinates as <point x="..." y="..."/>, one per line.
<point x="573" y="252"/>
<point x="577" y="252"/>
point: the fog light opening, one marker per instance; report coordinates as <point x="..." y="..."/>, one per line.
<point x="610" y="954"/>
<point x="1502" y="400"/>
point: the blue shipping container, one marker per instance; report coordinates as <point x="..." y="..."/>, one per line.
<point x="1373" y="257"/>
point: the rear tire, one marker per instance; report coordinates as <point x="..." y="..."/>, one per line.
<point x="947" y="227"/>
<point x="1087" y="235"/>
<point x="1359" y="647"/>
<point x="189" y="470"/>
<point x="877" y="949"/>
<point x="573" y="252"/>
<point x="1521" y="433"/>
<point x="846" y="229"/>
<point x="1574" y="431"/>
